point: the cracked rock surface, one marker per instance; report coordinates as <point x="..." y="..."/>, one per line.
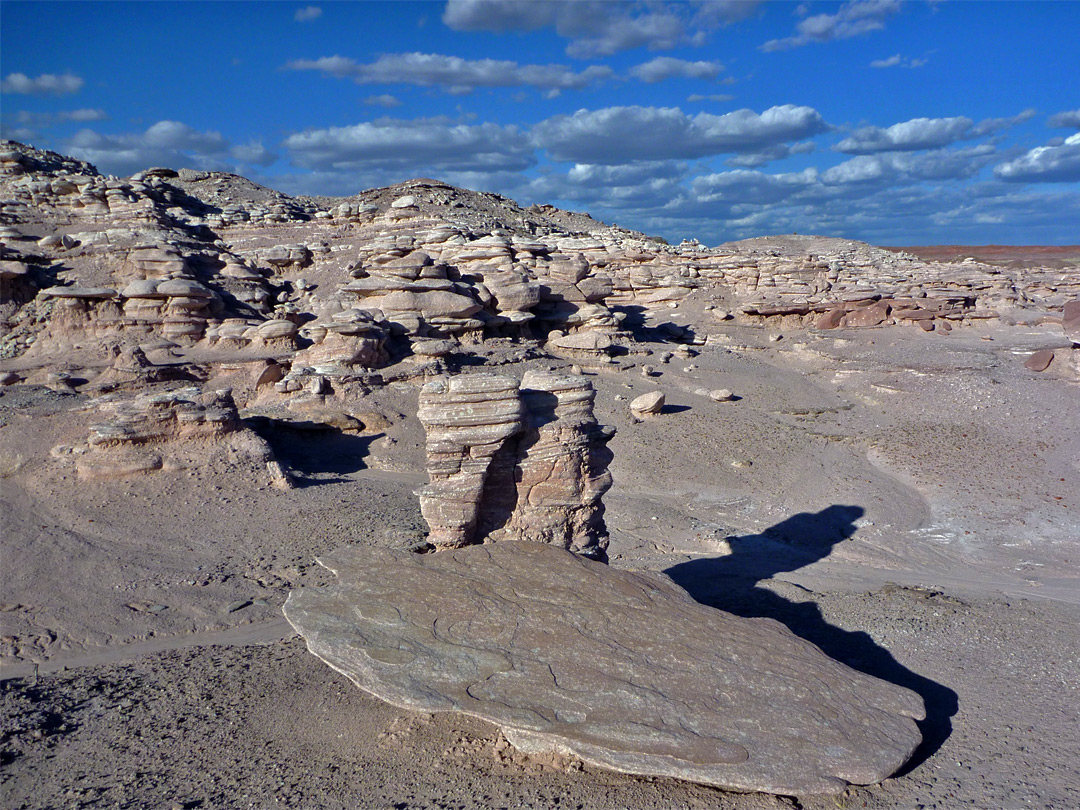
<point x="619" y="669"/>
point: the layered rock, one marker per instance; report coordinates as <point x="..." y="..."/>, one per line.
<point x="560" y="470"/>
<point x="152" y="432"/>
<point x="622" y="670"/>
<point x="510" y="462"/>
<point x="468" y="419"/>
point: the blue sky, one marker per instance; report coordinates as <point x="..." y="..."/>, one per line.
<point x="897" y="122"/>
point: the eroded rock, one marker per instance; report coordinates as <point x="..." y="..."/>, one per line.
<point x="515" y="462"/>
<point x="622" y="670"/>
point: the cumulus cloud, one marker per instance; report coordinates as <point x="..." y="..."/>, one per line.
<point x="1069" y="119"/>
<point x="853" y="19"/>
<point x="166" y="143"/>
<point x="253" y="153"/>
<point x="751" y="160"/>
<point x="47" y="84"/>
<point x="598" y="28"/>
<point x="666" y="67"/>
<point x="747" y="187"/>
<point x="615" y="135"/>
<point x="898" y="61"/>
<point x="988" y="126"/>
<point x="924" y="133"/>
<point x="384" y="100"/>
<point x="307" y="13"/>
<point x="412" y="146"/>
<point x="457" y="74"/>
<point x="918" y="133"/>
<point x="1056" y="163"/>
<point x="626" y="188"/>
<point x="902" y="167"/>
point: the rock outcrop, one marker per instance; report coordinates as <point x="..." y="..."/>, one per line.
<point x="515" y="462"/>
<point x="153" y="432"/>
<point x="622" y="670"/>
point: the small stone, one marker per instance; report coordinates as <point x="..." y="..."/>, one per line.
<point x="742" y="463"/>
<point x="648" y="371"/>
<point x="647" y="405"/>
<point x="721" y="395"/>
<point x="1040" y="361"/>
<point x="775" y="338"/>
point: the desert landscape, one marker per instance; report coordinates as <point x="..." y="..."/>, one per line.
<point x="868" y="455"/>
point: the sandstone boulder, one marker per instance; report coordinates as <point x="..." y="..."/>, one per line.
<point x="647" y="405"/>
<point x="1040" y="360"/>
<point x="623" y="670"/>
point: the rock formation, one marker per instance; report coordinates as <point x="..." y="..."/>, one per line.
<point x="160" y="431"/>
<point x="623" y="670"/>
<point x="510" y="462"/>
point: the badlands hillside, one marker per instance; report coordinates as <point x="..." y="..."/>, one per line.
<point x="206" y="384"/>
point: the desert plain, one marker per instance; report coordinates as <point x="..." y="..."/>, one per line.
<point x="208" y="385"/>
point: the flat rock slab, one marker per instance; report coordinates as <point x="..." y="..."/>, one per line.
<point x="622" y="670"/>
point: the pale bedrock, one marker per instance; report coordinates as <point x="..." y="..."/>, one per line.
<point x="622" y="670"/>
<point x="560" y="471"/>
<point x="468" y="419"/>
<point x="515" y="463"/>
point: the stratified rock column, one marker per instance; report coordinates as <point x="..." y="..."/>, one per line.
<point x="468" y="419"/>
<point x="561" y="468"/>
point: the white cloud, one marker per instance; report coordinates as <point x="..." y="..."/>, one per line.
<point x="457" y="74"/>
<point x="597" y="28"/>
<point x="253" y="153"/>
<point x="853" y="19"/>
<point x="166" y="143"/>
<point x="918" y="133"/>
<point x="307" y="13"/>
<point x="924" y="133"/>
<point x="1067" y="119"/>
<point x="615" y="135"/>
<point x="694" y="98"/>
<point x="413" y="146"/>
<point x="629" y="187"/>
<point x="898" y="61"/>
<point x="1058" y="163"/>
<point x="667" y="67"/>
<point x="47" y="84"/>
<point x="751" y="160"/>
<point x="988" y="126"/>
<point x="384" y="100"/>
<point x="892" y="61"/>
<point x="45" y="120"/>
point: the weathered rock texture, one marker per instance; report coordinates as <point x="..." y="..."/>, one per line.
<point x="510" y="462"/>
<point x="622" y="670"/>
<point x="154" y="431"/>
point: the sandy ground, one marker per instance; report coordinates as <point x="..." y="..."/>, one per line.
<point x="909" y="502"/>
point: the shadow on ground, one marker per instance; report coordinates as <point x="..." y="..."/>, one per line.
<point x="313" y="451"/>
<point x="729" y="583"/>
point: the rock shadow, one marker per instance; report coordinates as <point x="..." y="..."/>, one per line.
<point x="729" y="583"/>
<point x="312" y="451"/>
<point x="635" y="321"/>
